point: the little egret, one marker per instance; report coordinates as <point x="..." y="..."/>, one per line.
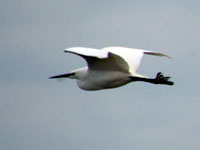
<point x="111" y="67"/>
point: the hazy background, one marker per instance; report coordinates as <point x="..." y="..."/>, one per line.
<point x="37" y="113"/>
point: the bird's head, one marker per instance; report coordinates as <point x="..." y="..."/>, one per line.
<point x="79" y="74"/>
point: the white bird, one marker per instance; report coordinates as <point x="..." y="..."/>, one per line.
<point x="111" y="67"/>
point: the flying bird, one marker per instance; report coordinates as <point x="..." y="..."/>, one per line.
<point x="111" y="67"/>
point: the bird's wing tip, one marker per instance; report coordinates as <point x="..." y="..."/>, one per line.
<point x="157" y="54"/>
<point x="89" y="52"/>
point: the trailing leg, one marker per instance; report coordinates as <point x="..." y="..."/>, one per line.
<point x="159" y="79"/>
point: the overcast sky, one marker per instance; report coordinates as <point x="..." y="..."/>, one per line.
<point x="41" y="114"/>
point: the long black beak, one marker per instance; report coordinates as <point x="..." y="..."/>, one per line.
<point x="62" y="76"/>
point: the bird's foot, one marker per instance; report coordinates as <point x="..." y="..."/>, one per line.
<point x="161" y="79"/>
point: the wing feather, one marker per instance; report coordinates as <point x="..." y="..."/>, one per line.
<point x="90" y="52"/>
<point x="132" y="56"/>
<point x="113" y="58"/>
<point x="156" y="54"/>
<point x="101" y="60"/>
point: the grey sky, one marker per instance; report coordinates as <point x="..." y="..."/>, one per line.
<point x="41" y="114"/>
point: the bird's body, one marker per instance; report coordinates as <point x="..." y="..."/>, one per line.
<point x="97" y="80"/>
<point x="110" y="67"/>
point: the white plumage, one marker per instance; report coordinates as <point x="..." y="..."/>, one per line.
<point x="111" y="67"/>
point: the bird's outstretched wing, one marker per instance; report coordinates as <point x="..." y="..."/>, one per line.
<point x="100" y="60"/>
<point x="87" y="52"/>
<point x="132" y="57"/>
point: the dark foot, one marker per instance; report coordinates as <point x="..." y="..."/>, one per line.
<point x="160" y="79"/>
